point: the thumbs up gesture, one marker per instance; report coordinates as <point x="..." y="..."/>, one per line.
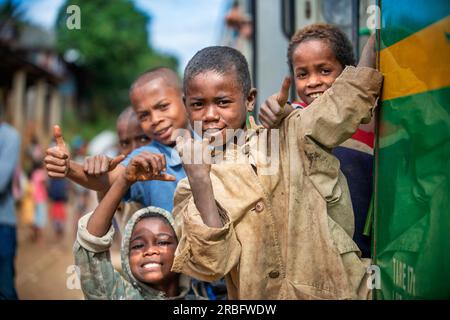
<point x="275" y="108"/>
<point x="57" y="161"/>
<point x="369" y="53"/>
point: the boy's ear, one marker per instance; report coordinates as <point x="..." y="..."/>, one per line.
<point x="251" y="99"/>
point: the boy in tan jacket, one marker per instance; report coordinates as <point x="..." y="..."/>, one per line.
<point x="283" y="233"/>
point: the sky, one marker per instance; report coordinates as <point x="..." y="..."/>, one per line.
<point x="178" y="27"/>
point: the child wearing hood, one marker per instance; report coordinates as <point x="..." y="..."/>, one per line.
<point x="148" y="245"/>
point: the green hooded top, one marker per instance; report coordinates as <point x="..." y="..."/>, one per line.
<point x="99" y="279"/>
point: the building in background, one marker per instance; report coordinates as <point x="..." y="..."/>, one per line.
<point x="36" y="83"/>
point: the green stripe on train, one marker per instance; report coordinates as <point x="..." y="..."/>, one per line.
<point x="412" y="217"/>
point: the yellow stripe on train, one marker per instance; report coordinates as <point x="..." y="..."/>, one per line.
<point x="418" y="63"/>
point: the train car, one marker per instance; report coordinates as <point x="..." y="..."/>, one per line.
<point x="411" y="243"/>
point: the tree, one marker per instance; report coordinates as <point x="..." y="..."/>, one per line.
<point x="112" y="46"/>
<point x="11" y="20"/>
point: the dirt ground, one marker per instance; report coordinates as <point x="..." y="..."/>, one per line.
<point x="45" y="270"/>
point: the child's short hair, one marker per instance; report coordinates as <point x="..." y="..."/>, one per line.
<point x="165" y="73"/>
<point x="126" y="114"/>
<point x="222" y="60"/>
<point x="338" y="41"/>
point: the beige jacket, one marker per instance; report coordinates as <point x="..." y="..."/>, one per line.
<point x="287" y="235"/>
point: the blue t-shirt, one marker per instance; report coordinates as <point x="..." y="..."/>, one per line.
<point x="154" y="192"/>
<point x="9" y="156"/>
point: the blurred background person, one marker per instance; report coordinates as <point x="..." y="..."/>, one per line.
<point x="81" y="195"/>
<point x="9" y="156"/>
<point x="26" y="206"/>
<point x="58" y="195"/>
<point x="40" y="198"/>
<point x="34" y="154"/>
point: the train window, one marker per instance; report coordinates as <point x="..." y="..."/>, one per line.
<point x="338" y="12"/>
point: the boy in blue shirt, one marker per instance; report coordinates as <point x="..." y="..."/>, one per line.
<point x="156" y="99"/>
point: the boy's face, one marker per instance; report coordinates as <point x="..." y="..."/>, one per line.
<point x="315" y="69"/>
<point x="131" y="135"/>
<point x="218" y="101"/>
<point x="152" y="250"/>
<point x="160" y="110"/>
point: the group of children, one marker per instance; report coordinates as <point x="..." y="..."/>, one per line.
<point x="286" y="235"/>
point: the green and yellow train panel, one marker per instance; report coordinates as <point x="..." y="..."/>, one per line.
<point x="411" y="242"/>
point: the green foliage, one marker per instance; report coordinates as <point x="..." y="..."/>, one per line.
<point x="113" y="47"/>
<point x="10" y="11"/>
<point x="11" y="15"/>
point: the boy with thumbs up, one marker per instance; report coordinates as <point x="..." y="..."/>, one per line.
<point x="317" y="55"/>
<point x="156" y="99"/>
<point x="270" y="235"/>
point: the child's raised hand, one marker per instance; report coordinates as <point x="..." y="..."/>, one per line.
<point x="57" y="161"/>
<point x="147" y="166"/>
<point x="99" y="164"/>
<point x="369" y="54"/>
<point x="196" y="157"/>
<point x="275" y="108"/>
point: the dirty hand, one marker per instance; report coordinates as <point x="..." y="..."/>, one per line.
<point x="369" y="54"/>
<point x="97" y="165"/>
<point x="57" y="161"/>
<point x="147" y="166"/>
<point x="275" y="108"/>
<point x="196" y="157"/>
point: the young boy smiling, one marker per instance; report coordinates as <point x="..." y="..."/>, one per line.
<point x="271" y="236"/>
<point x="156" y="99"/>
